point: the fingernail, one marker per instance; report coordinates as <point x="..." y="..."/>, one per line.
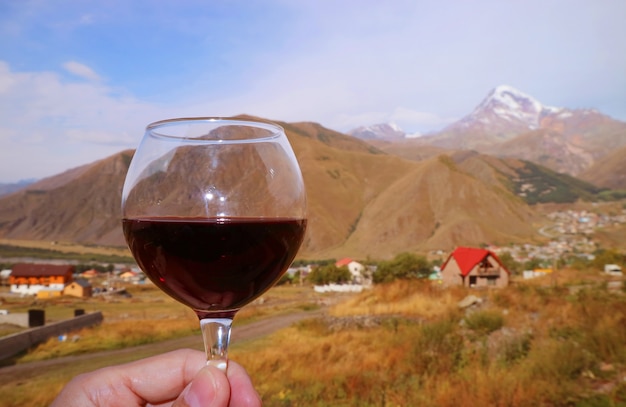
<point x="203" y="389"/>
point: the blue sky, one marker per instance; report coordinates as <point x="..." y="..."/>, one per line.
<point x="80" y="79"/>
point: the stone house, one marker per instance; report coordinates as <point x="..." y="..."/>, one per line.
<point x="473" y="267"/>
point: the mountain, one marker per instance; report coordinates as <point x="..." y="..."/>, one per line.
<point x="503" y="114"/>
<point x="510" y="123"/>
<point x="361" y="201"/>
<point x="6" y="189"/>
<point x="609" y="172"/>
<point x="548" y="148"/>
<point x="382" y="131"/>
<point x="80" y="205"/>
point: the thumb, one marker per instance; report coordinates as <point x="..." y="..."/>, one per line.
<point x="209" y="388"/>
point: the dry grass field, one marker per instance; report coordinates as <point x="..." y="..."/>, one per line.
<point x="546" y="342"/>
<point x="67" y="247"/>
<point x="148" y="317"/>
<point x="531" y="344"/>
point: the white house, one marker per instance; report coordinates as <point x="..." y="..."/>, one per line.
<point x="29" y="279"/>
<point x="613" y="269"/>
<point x="357" y="270"/>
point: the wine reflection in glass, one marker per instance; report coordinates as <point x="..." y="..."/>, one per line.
<point x="214" y="212"/>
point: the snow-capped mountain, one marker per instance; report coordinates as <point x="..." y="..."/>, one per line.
<point x="508" y="109"/>
<point x="507" y="113"/>
<point x="502" y="115"/>
<point x="508" y="122"/>
<point x="382" y="131"/>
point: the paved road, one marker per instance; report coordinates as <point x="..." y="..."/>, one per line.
<point x="239" y="333"/>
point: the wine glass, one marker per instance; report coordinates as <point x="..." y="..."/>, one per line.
<point x="214" y="212"/>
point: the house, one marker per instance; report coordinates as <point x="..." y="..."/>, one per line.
<point x="4" y="277"/>
<point x="78" y="288"/>
<point x="613" y="269"/>
<point x="356" y="269"/>
<point x="472" y="267"/>
<point x="47" y="293"/>
<point x="89" y="273"/>
<point x="129" y="276"/>
<point x="528" y="274"/>
<point x="29" y="278"/>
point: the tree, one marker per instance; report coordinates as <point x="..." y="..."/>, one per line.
<point x="329" y="273"/>
<point x="403" y="266"/>
<point x="509" y="262"/>
<point x="534" y="263"/>
<point x="603" y="257"/>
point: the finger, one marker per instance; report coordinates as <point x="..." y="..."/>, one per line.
<point x="242" y="393"/>
<point x="155" y="380"/>
<point x="162" y="377"/>
<point x="209" y="388"/>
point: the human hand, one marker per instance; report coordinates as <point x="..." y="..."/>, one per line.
<point x="177" y="379"/>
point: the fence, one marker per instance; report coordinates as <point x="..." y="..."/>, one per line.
<point x="13" y="344"/>
<point x="339" y="288"/>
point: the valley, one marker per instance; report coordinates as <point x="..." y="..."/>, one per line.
<point x="480" y="181"/>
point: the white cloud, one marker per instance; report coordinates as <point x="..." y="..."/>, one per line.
<point x="81" y="70"/>
<point x="50" y="125"/>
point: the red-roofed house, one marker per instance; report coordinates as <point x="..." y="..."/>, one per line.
<point x="355" y="268"/>
<point x="28" y="278"/>
<point x="472" y="267"/>
<point x="343" y="262"/>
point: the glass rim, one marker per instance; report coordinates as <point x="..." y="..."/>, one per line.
<point x="274" y="130"/>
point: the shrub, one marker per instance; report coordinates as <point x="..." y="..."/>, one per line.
<point x="438" y="348"/>
<point x="329" y="273"/>
<point x="403" y="266"/>
<point x="484" y="322"/>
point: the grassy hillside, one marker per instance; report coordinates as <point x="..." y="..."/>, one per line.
<point x="538" y="184"/>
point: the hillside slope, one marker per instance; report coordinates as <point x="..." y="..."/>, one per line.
<point x="362" y="201"/>
<point x="610" y="172"/>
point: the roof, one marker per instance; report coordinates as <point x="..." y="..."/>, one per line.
<point x="343" y="262"/>
<point x="129" y="273"/>
<point x="90" y="272"/>
<point x="82" y="282"/>
<point x="41" y="270"/>
<point x="468" y="257"/>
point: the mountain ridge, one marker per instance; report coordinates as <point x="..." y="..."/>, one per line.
<point x="363" y="202"/>
<point x="510" y="123"/>
<point x="375" y="198"/>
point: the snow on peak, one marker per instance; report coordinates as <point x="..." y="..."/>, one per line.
<point x="511" y="104"/>
<point x="395" y="127"/>
<point x="381" y="131"/>
<point x="513" y="98"/>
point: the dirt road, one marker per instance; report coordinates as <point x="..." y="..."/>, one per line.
<point x="239" y="333"/>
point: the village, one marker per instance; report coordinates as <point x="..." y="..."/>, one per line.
<point x="571" y="234"/>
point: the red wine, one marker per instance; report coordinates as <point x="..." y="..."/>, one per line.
<point x="214" y="265"/>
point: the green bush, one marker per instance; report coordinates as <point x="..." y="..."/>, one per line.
<point x="329" y="273"/>
<point x="484" y="322"/>
<point x="403" y="266"/>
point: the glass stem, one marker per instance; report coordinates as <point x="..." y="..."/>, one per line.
<point x="216" y="336"/>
